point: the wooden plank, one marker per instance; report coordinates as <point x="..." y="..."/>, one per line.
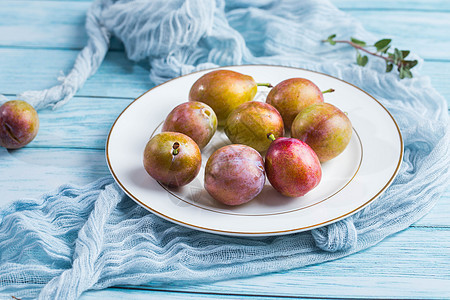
<point x="31" y="172"/>
<point x="118" y="76"/>
<point x="43" y="23"/>
<point x="411" y="264"/>
<point x="381" y="4"/>
<point x="439" y="73"/>
<point x="81" y="123"/>
<point x="405" y="5"/>
<point x="438" y="216"/>
<point x="63" y="0"/>
<point x="422" y="33"/>
<point x="61" y="25"/>
<point x="146" y="294"/>
<point x="38" y="69"/>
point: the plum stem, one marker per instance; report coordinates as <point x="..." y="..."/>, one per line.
<point x="175" y="147"/>
<point x="264" y="84"/>
<point x="328" y="91"/>
<point x="271" y="137"/>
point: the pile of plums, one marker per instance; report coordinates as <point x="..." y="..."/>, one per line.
<point x="236" y="173"/>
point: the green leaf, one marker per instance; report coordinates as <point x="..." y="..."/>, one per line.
<point x="365" y="60"/>
<point x="361" y="60"/>
<point x="385" y="49"/>
<point x="397" y="56"/>
<point x="358" y="58"/>
<point x="389" y="67"/>
<point x="358" y="42"/>
<point x="330" y="39"/>
<point x="383" y="45"/>
<point x="409" y="63"/>
<point x="405" y="73"/>
<point x="408" y="73"/>
<point x="401" y="73"/>
<point x="405" y="53"/>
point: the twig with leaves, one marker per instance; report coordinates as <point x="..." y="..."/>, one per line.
<point x="396" y="58"/>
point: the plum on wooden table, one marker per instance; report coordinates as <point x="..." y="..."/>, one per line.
<point x="19" y="124"/>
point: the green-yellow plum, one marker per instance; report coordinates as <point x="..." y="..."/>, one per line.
<point x="172" y="158"/>
<point x="223" y="90"/>
<point x="19" y="124"/>
<point x="325" y="128"/>
<point x="195" y="119"/>
<point x="292" y="95"/>
<point x="252" y="123"/>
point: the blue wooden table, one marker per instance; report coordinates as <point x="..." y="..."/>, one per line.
<point x="39" y="39"/>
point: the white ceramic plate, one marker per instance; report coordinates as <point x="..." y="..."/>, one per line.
<point x="349" y="182"/>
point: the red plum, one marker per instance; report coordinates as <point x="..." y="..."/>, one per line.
<point x="19" y="124"/>
<point x="292" y="167"/>
<point x="195" y="119"/>
<point x="234" y="174"/>
<point x="325" y="128"/>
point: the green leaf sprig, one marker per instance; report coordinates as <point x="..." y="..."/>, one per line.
<point x="396" y="58"/>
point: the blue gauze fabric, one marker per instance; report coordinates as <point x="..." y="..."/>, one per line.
<point x="91" y="237"/>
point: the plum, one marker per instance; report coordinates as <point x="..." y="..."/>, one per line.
<point x="172" y="158"/>
<point x="19" y="124"/>
<point x="234" y="174"/>
<point x="292" y="167"/>
<point x="252" y="123"/>
<point x="292" y="95"/>
<point x="195" y="119"/>
<point x="325" y="128"/>
<point x="223" y="90"/>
